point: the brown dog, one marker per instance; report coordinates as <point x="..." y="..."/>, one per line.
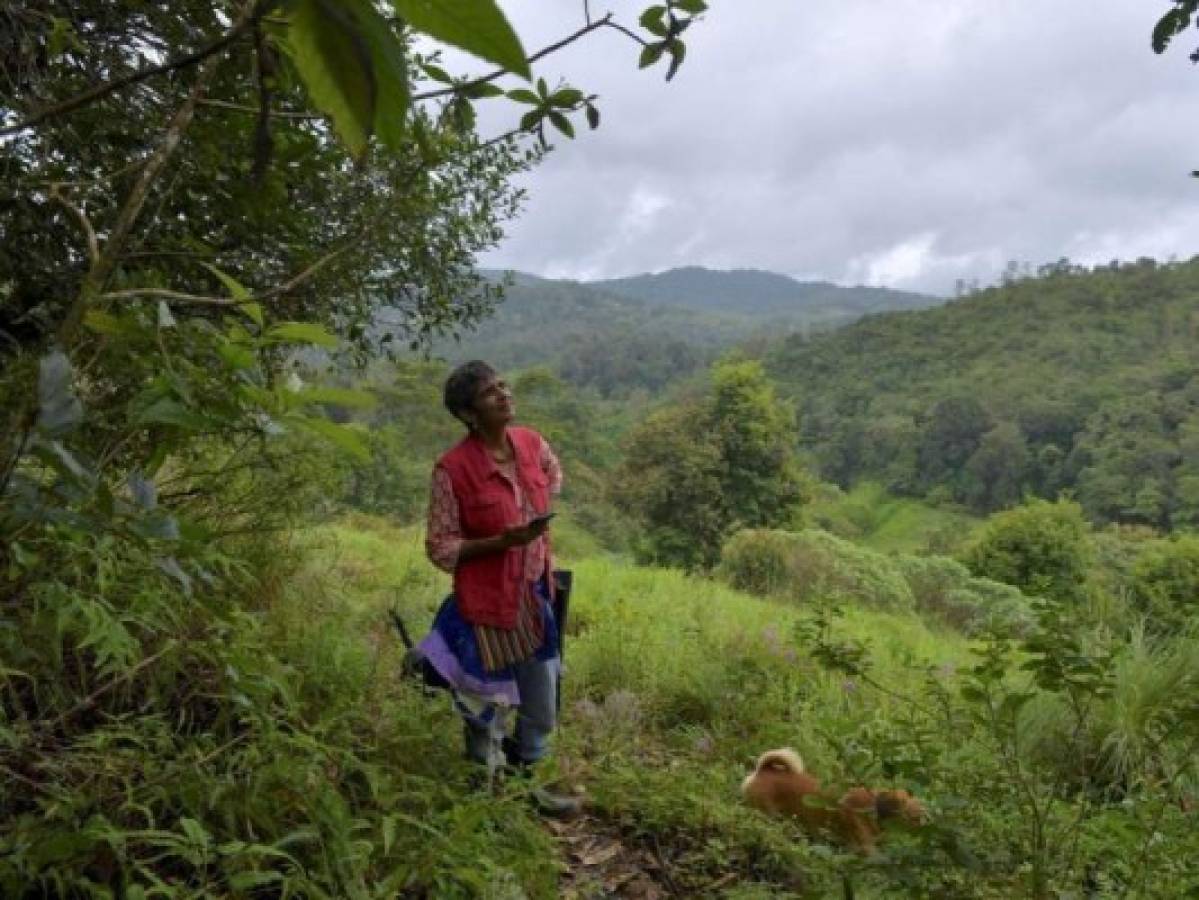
<point x="781" y="785"/>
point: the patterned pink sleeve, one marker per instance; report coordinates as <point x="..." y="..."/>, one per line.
<point x="551" y="467"/>
<point x="443" y="538"/>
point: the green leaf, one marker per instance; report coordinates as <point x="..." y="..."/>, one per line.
<point x="482" y="90"/>
<point x="342" y="437"/>
<point x="105" y="323"/>
<point x="235" y="356"/>
<point x="476" y="26"/>
<point x="301" y="333"/>
<point x="244" y="881"/>
<point x="530" y="119"/>
<point x="543" y="90"/>
<point x="678" y="50"/>
<point x="437" y="73"/>
<point x="165" y="411"/>
<point x="334" y="62"/>
<point x="339" y="397"/>
<point x="652" y="20"/>
<point x="524" y="95"/>
<point x="567" y="98"/>
<point x="651" y="54"/>
<point x="562" y="124"/>
<point x="1171" y="24"/>
<point x="389" y="64"/>
<point x="253" y="312"/>
<point x="236" y="289"/>
<point x="695" y="7"/>
<point x="593" y="117"/>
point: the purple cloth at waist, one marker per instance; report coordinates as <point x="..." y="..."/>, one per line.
<point x="453" y="650"/>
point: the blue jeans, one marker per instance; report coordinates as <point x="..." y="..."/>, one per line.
<point x="535" y="717"/>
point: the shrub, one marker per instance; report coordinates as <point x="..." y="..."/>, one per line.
<point x="1040" y="547"/>
<point x="807" y="565"/>
<point x="945" y="588"/>
<point x="1165" y="580"/>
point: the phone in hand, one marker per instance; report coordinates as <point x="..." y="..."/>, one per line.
<point x="538" y="520"/>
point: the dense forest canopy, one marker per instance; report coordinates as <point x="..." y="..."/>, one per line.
<point x="1075" y="380"/>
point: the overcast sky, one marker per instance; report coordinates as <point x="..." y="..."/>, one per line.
<point x="906" y="143"/>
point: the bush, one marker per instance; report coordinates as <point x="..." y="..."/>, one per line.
<point x="1165" y="581"/>
<point x="1042" y="548"/>
<point x="945" y="588"/>
<point x="808" y="565"/>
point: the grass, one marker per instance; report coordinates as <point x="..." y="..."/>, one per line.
<point x="890" y="524"/>
<point x="673" y="685"/>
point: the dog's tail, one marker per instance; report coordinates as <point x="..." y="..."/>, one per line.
<point x="900" y="805"/>
<point x="782" y="760"/>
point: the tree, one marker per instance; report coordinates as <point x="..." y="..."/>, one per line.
<point x="1040" y="547"/>
<point x="997" y="470"/>
<point x="755" y="436"/>
<point x="697" y="472"/>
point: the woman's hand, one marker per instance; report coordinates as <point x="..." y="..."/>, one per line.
<point x="525" y="534"/>
<point x="517" y="536"/>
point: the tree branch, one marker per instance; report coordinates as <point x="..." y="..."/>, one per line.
<point x="256" y="110"/>
<point x="93" y="246"/>
<point x="103" y="90"/>
<point x="544" y="51"/>
<point x="291" y="284"/>
<point x="102" y="266"/>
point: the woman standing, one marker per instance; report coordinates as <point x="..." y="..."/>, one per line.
<point x="495" y="640"/>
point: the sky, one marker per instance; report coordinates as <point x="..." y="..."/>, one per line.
<point x="899" y="143"/>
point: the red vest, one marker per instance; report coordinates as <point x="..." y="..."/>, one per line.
<point x="488" y="588"/>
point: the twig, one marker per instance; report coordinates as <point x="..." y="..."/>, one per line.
<point x="93" y="246"/>
<point x="90" y="700"/>
<point x="256" y="110"/>
<point x="545" y="51"/>
<point x="640" y="40"/>
<point x="201" y="300"/>
<point x="103" y="90"/>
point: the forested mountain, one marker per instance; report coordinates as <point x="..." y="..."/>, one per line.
<point x="597" y="339"/>
<point x="644" y="331"/>
<point x="754" y="292"/>
<point x="1079" y="380"/>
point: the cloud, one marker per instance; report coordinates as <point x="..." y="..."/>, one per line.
<point x="918" y="140"/>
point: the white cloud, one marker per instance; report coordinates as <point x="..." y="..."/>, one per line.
<point x="920" y="140"/>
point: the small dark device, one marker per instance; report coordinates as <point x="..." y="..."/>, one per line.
<point x="537" y="520"/>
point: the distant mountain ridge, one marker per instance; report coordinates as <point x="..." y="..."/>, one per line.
<point x="650" y="330"/>
<point x="760" y="293"/>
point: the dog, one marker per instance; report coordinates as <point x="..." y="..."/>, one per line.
<point x="781" y="785"/>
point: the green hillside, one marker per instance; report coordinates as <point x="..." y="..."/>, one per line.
<point x="763" y="294"/>
<point x="1080" y="380"/>
<point x="650" y="330"/>
<point x="595" y="338"/>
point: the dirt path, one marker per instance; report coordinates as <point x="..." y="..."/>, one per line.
<point x="600" y="865"/>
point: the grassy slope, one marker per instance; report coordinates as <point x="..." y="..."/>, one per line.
<point x="674" y="685"/>
<point x="870" y="516"/>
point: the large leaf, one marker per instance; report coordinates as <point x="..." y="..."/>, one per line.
<point x="347" y="439"/>
<point x="476" y="26"/>
<point x="236" y="289"/>
<point x="301" y="333"/>
<point x="1173" y="23"/>
<point x="391" y="76"/>
<point x="59" y="410"/>
<point x="339" y="397"/>
<point x="333" y="58"/>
